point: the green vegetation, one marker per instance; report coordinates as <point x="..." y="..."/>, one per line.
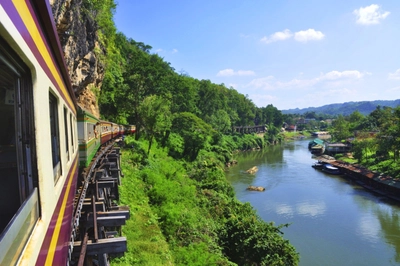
<point x="187" y="214"/>
<point x="183" y="210"/>
<point x="376" y="144"/>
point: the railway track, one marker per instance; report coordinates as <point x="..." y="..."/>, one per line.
<point x="96" y="226"/>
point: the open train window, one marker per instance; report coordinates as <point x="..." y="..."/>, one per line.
<point x="55" y="136"/>
<point x="18" y="175"/>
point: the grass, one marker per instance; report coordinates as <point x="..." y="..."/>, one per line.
<point x="293" y="135"/>
<point x="146" y="243"/>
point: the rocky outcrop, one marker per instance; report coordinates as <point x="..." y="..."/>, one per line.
<point x="77" y="31"/>
<point x="253" y="188"/>
<point x="252" y="170"/>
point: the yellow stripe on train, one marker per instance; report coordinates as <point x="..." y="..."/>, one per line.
<point x="26" y="16"/>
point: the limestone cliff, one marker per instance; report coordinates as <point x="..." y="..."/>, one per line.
<point x="79" y="40"/>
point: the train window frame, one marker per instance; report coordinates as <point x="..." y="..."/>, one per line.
<point x="71" y="120"/>
<point x="66" y="132"/>
<point x="28" y="212"/>
<point x="90" y="131"/>
<point x="55" y="136"/>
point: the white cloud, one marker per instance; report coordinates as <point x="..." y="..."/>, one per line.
<point x="300" y="36"/>
<point x="230" y="72"/>
<point x="174" y="51"/>
<point x="308" y="35"/>
<point x="347" y="74"/>
<point x="395" y="75"/>
<point x="370" y="15"/>
<point x="278" y="36"/>
<point x="262" y="83"/>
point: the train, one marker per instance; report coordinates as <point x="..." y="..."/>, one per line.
<point x="59" y="164"/>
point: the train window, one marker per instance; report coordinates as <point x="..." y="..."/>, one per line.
<point x="66" y="132"/>
<point x="89" y="128"/>
<point x="72" y="132"/>
<point x="55" y="136"/>
<point x="18" y="173"/>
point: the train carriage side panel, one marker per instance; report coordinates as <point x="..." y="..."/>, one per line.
<point x="106" y="131"/>
<point x="45" y="146"/>
<point x="89" y="136"/>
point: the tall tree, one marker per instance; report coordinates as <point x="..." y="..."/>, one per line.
<point x="389" y="136"/>
<point x="194" y="132"/>
<point x="341" y="128"/>
<point x="155" y="117"/>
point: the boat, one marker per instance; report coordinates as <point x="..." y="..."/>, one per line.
<point x="318" y="165"/>
<point x="330" y="169"/>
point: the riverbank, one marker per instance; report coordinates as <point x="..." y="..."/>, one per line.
<point x="371" y="180"/>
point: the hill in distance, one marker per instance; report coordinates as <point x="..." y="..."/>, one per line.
<point x="365" y="108"/>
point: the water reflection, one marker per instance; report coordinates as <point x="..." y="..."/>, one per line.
<point x="311" y="209"/>
<point x="390" y="224"/>
<point x="306" y="209"/>
<point x="369" y="228"/>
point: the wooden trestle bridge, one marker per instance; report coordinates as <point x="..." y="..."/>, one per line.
<point x="250" y="129"/>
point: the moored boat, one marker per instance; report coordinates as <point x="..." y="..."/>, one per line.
<point x="330" y="169"/>
<point x="318" y="165"/>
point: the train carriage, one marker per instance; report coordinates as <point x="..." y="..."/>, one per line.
<point x="89" y="131"/>
<point x="40" y="203"/>
<point x="130" y="129"/>
<point x="39" y="148"/>
<point x="106" y="131"/>
<point x="115" y="130"/>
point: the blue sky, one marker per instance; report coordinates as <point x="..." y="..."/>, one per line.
<point x="292" y="54"/>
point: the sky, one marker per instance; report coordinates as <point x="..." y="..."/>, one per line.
<point x="288" y="53"/>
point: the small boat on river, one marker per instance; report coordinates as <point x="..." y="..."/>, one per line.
<point x="330" y="169"/>
<point x="318" y="165"/>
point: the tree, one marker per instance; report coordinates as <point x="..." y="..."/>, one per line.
<point x="389" y="136"/>
<point x="341" y="128"/>
<point x="194" y="132"/>
<point x="272" y="116"/>
<point x="220" y="121"/>
<point x="154" y="113"/>
<point x="356" y="117"/>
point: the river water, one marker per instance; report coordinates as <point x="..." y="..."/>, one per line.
<point x="332" y="220"/>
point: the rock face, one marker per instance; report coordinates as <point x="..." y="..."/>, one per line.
<point x="252" y="170"/>
<point x="82" y="51"/>
<point x="253" y="188"/>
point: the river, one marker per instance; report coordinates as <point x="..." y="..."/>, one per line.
<point x="332" y="220"/>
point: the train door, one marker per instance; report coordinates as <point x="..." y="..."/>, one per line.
<point x="18" y="181"/>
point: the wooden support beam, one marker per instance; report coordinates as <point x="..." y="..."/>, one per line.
<point x="87" y="207"/>
<point x="106" y="184"/>
<point x="109" y="245"/>
<point x="111" y="221"/>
